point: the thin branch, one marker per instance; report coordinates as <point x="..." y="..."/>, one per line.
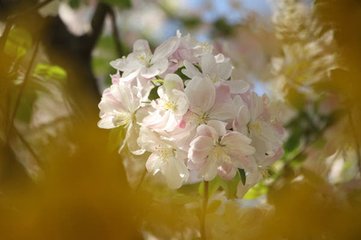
<point x="21" y="90"/>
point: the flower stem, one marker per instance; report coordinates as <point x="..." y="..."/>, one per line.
<point x="204" y="211"/>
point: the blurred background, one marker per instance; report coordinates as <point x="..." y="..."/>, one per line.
<point x="62" y="178"/>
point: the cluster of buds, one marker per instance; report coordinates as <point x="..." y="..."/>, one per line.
<point x="181" y="108"/>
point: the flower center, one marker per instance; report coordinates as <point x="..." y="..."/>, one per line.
<point x="122" y="118"/>
<point x="255" y="127"/>
<point x="219" y="153"/>
<point x="144" y="59"/>
<point x="165" y="153"/>
<point x="170" y="105"/>
<point x="203" y="118"/>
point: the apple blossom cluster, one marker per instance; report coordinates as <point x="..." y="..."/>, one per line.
<point x="180" y="107"/>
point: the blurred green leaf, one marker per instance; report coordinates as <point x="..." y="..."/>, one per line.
<point x="256" y="191"/>
<point x="50" y="72"/>
<point x="18" y="43"/>
<point x="74" y="3"/>
<point x="124" y="4"/>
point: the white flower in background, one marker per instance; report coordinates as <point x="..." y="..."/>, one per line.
<point x="216" y="151"/>
<point x="164" y="158"/>
<point x="142" y="62"/>
<point x="308" y="53"/>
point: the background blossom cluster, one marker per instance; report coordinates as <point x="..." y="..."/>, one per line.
<point x="182" y="109"/>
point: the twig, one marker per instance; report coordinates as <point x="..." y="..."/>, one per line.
<point x="21" y="90"/>
<point x="204" y="211"/>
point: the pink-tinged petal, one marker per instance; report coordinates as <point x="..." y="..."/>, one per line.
<point x="223" y="93"/>
<point x="270" y="158"/>
<point x="202" y="143"/>
<point x="237" y="144"/>
<point x="142" y="45"/>
<point x="119" y="64"/>
<point x="182" y="123"/>
<point x="200" y="147"/>
<point x="173" y="81"/>
<point x="157" y="68"/>
<point x="210" y="170"/>
<point x="154" y="163"/>
<point x="268" y="133"/>
<point x="160" y="121"/>
<point x="175" y="173"/>
<point x="181" y="101"/>
<point x="201" y="94"/>
<point x="115" y="78"/>
<point x="107" y="122"/>
<point x="219" y="127"/>
<point x="205" y="130"/>
<point x="224" y="70"/>
<point x="238" y="86"/>
<point x="208" y="64"/>
<point x="223" y="108"/>
<point x="224" y="112"/>
<point x="131" y="140"/>
<point x="257" y="107"/>
<point x="227" y="171"/>
<point x="165" y="49"/>
<point x="244" y="115"/>
<point x="190" y="70"/>
<point x="148" y="139"/>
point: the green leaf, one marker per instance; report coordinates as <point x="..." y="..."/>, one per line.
<point x="242" y="174"/>
<point x="293" y="141"/>
<point x="256" y="191"/>
<point x="50" y="72"/>
<point x="74" y="3"/>
<point x="18" y="43"/>
<point x="153" y="95"/>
